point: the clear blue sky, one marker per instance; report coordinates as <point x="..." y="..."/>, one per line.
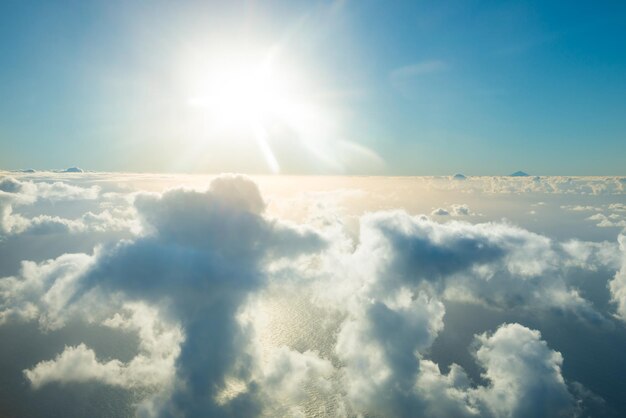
<point x="404" y="87"/>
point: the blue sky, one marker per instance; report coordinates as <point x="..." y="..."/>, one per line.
<point x="409" y="88"/>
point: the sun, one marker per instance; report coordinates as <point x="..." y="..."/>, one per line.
<point x="263" y="100"/>
<point x="244" y="93"/>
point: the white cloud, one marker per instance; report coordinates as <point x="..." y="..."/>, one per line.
<point x="619" y="207"/>
<point x="202" y="255"/>
<point x="153" y="367"/>
<point x="592" y="255"/>
<point x="491" y="263"/>
<point x="524" y="375"/>
<point x="42" y="291"/>
<point x="440" y="212"/>
<point x="378" y="344"/>
<point x="581" y="208"/>
<point x="396" y="276"/>
<point x="15" y="194"/>
<point x="610" y="221"/>
<point x="285" y="377"/>
<point x="461" y="210"/>
<point x="198" y="258"/>
<point x="75" y="364"/>
<point x="618" y="284"/>
<point x="455" y="210"/>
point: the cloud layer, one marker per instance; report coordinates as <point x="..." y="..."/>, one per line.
<point x="190" y="272"/>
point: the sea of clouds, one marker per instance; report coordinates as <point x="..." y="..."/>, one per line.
<point x="133" y="295"/>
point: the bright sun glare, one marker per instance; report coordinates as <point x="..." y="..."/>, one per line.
<point x="246" y="95"/>
<point x="257" y="99"/>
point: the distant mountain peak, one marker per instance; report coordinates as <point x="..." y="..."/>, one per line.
<point x="519" y="174"/>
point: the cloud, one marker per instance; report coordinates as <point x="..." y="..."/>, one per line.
<point x="154" y="365"/>
<point x="188" y="281"/>
<point x="393" y="289"/>
<point x="440" y="212"/>
<point x="461" y="210"/>
<point x="606" y="216"/>
<point x="398" y="279"/>
<point x="58" y="191"/>
<point x="617" y="286"/>
<point x="408" y="78"/>
<point x="16" y="194"/>
<point x="592" y="255"/>
<point x="286" y="377"/>
<point x="610" y="221"/>
<point x="418" y="69"/>
<point x="377" y="345"/>
<point x="27" y="192"/>
<point x="557" y="185"/>
<point x="455" y="210"/>
<point x="618" y="207"/>
<point x="523" y="378"/>
<point x="41" y="291"/>
<point x="524" y="375"/>
<point x="200" y="258"/>
<point x="10" y="185"/>
<point x="495" y="264"/>
<point x="581" y="208"/>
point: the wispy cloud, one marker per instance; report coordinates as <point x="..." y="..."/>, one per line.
<point x="417" y="69"/>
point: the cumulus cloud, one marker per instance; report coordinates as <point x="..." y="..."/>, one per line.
<point x="378" y="345"/>
<point x="75" y="364"/>
<point x="524" y="375"/>
<point x="440" y="212"/>
<point x="495" y="264"/>
<point x="619" y="207"/>
<point x="285" y="377"/>
<point x="608" y="221"/>
<point x="610" y="215"/>
<point x="186" y="281"/>
<point x="393" y="289"/>
<point x="461" y="210"/>
<point x="41" y="291"/>
<point x="152" y="368"/>
<point x="201" y="256"/>
<point x="27" y="191"/>
<point x="523" y="378"/>
<point x="399" y="276"/>
<point x="455" y="210"/>
<point x="592" y="255"/>
<point x="159" y="347"/>
<point x="15" y="194"/>
<point x="618" y="284"/>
